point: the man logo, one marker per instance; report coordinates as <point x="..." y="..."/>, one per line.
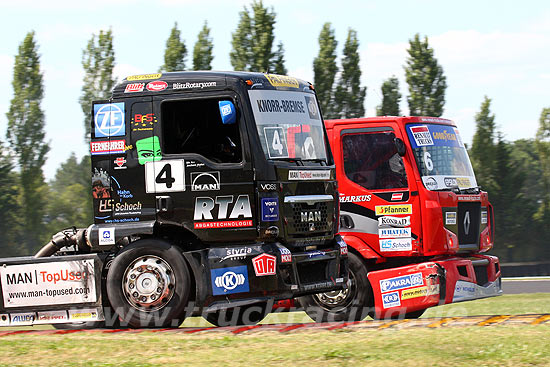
<point x="205" y="181"/>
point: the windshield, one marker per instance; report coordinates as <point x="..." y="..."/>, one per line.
<point x="441" y="157"/>
<point x="289" y="124"/>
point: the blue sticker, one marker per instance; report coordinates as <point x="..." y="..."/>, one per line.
<point x="229" y="280"/>
<point x="270" y="209"/>
<point x="433" y="135"/>
<point x="227" y="111"/>
<point x="391" y="300"/>
<point x="405" y="281"/>
<point x="109" y="120"/>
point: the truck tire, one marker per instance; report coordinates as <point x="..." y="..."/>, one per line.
<point x="351" y="304"/>
<point x="148" y="285"/>
<point x="244" y="315"/>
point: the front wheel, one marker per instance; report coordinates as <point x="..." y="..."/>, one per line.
<point x="148" y="285"/>
<point x="351" y="304"/>
<point x="243" y="315"/>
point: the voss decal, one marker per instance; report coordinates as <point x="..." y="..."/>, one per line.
<point x="222" y="212"/>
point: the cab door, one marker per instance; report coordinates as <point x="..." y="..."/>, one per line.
<point x="378" y="197"/>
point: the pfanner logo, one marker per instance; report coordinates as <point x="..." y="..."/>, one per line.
<point x="109" y="120"/>
<point x="402" y="282"/>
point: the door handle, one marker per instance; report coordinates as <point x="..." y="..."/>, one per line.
<point x="164" y="204"/>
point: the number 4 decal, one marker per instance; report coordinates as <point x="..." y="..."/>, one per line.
<point x="276" y="142"/>
<point x="165" y="176"/>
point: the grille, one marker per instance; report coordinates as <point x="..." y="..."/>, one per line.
<point x="299" y="226"/>
<point x="482" y="277"/>
<point x="312" y="272"/>
<point x="468" y="223"/>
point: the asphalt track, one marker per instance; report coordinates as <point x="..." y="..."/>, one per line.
<point x="526" y="285"/>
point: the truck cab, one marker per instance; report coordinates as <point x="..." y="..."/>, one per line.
<point x="410" y="208"/>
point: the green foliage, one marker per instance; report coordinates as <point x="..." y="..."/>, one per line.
<point x="426" y="81"/>
<point x="349" y="97"/>
<point x="9" y="206"/>
<point x="483" y="147"/>
<point x="98" y="61"/>
<point x="542" y="144"/>
<point x="252" y="41"/>
<point x="279" y="60"/>
<point x="175" y="53"/>
<point x="26" y="135"/>
<point x="390" y="98"/>
<point x="324" y="71"/>
<point x="202" y="52"/>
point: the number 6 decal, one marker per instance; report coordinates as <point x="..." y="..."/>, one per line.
<point x="165" y="176"/>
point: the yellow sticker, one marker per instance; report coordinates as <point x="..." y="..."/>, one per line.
<point x="463" y="182"/>
<point x="144" y="77"/>
<point x="413" y="293"/>
<point x="282" y="81"/>
<point x="82" y="315"/>
<point x="393" y="209"/>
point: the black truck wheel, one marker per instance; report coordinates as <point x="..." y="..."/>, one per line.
<point x="351" y="304"/>
<point x="148" y="285"/>
<point x="244" y="315"/>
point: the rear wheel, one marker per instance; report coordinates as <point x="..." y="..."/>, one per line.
<point x="351" y="304"/>
<point x="148" y="285"/>
<point x="244" y="315"/>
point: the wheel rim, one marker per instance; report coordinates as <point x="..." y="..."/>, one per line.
<point x="340" y="298"/>
<point x="148" y="283"/>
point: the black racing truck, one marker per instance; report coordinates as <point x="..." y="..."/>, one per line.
<point x="214" y="194"/>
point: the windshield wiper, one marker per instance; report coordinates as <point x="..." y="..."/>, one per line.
<point x="320" y="160"/>
<point x="298" y="161"/>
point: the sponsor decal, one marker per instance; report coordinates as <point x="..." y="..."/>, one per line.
<point x="143" y="122"/>
<point x="275" y="140"/>
<point x="450" y="218"/>
<point x="308" y="175"/>
<point x="144" y="77"/>
<point x="218" y="208"/>
<point x="430" y="182"/>
<point x="316" y="253"/>
<point x="101" y="184"/>
<point x="469" y="197"/>
<point x="205" y="181"/>
<point x="397" y="196"/>
<point x="120" y="163"/>
<point x="148" y="150"/>
<point x="26" y="318"/>
<point x="393" y="209"/>
<point x="51" y="283"/>
<point x="354" y="198"/>
<point x="165" y="176"/>
<point x="281" y="105"/>
<point x="394" y="221"/>
<point x="109" y="120"/>
<point x="238" y="253"/>
<point x="394" y="232"/>
<point x="286" y="255"/>
<point x="483" y="217"/>
<point x="134" y="87"/>
<point x="343" y="248"/>
<point x="50" y="317"/>
<point x="107" y="147"/>
<point x="156" y="86"/>
<point x="414" y="293"/>
<point x="195" y="85"/>
<point x="312" y="108"/>
<point x="463" y="182"/>
<point x="450" y="181"/>
<point x="229" y="280"/>
<point x="4" y="319"/>
<point x="282" y="81"/>
<point x="268" y="187"/>
<point x="194" y="164"/>
<point x="397" y="244"/>
<point x="421" y="135"/>
<point x="270" y="209"/>
<point x="88" y="314"/>
<point x="464" y="290"/>
<point x="401" y="282"/>
<point x="391" y="300"/>
<point x="264" y="264"/>
<point x="107" y="236"/>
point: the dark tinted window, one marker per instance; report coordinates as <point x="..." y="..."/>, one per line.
<point x="195" y="126"/>
<point x="371" y="160"/>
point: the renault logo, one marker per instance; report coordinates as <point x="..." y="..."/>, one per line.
<point x="467" y="223"/>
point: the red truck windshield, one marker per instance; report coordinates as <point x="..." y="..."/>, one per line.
<point x="441" y="157"/>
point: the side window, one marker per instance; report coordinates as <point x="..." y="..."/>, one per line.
<point x="372" y="161"/>
<point x="195" y="126"/>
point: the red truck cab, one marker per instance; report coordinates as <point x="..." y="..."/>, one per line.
<point x="413" y="216"/>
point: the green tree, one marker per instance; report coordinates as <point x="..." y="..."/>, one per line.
<point x="483" y="148"/>
<point x="324" y="71"/>
<point x="542" y="144"/>
<point x="26" y="135"/>
<point x="98" y="61"/>
<point x="390" y="98"/>
<point x="349" y="97"/>
<point x="279" y="60"/>
<point x="202" y="52"/>
<point x="427" y="84"/>
<point x="9" y="206"/>
<point x="252" y="41"/>
<point x="175" y="53"/>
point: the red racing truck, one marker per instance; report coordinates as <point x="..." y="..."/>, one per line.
<point x="415" y="221"/>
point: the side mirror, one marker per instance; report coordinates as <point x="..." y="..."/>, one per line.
<point x="227" y="112"/>
<point x="400" y="146"/>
